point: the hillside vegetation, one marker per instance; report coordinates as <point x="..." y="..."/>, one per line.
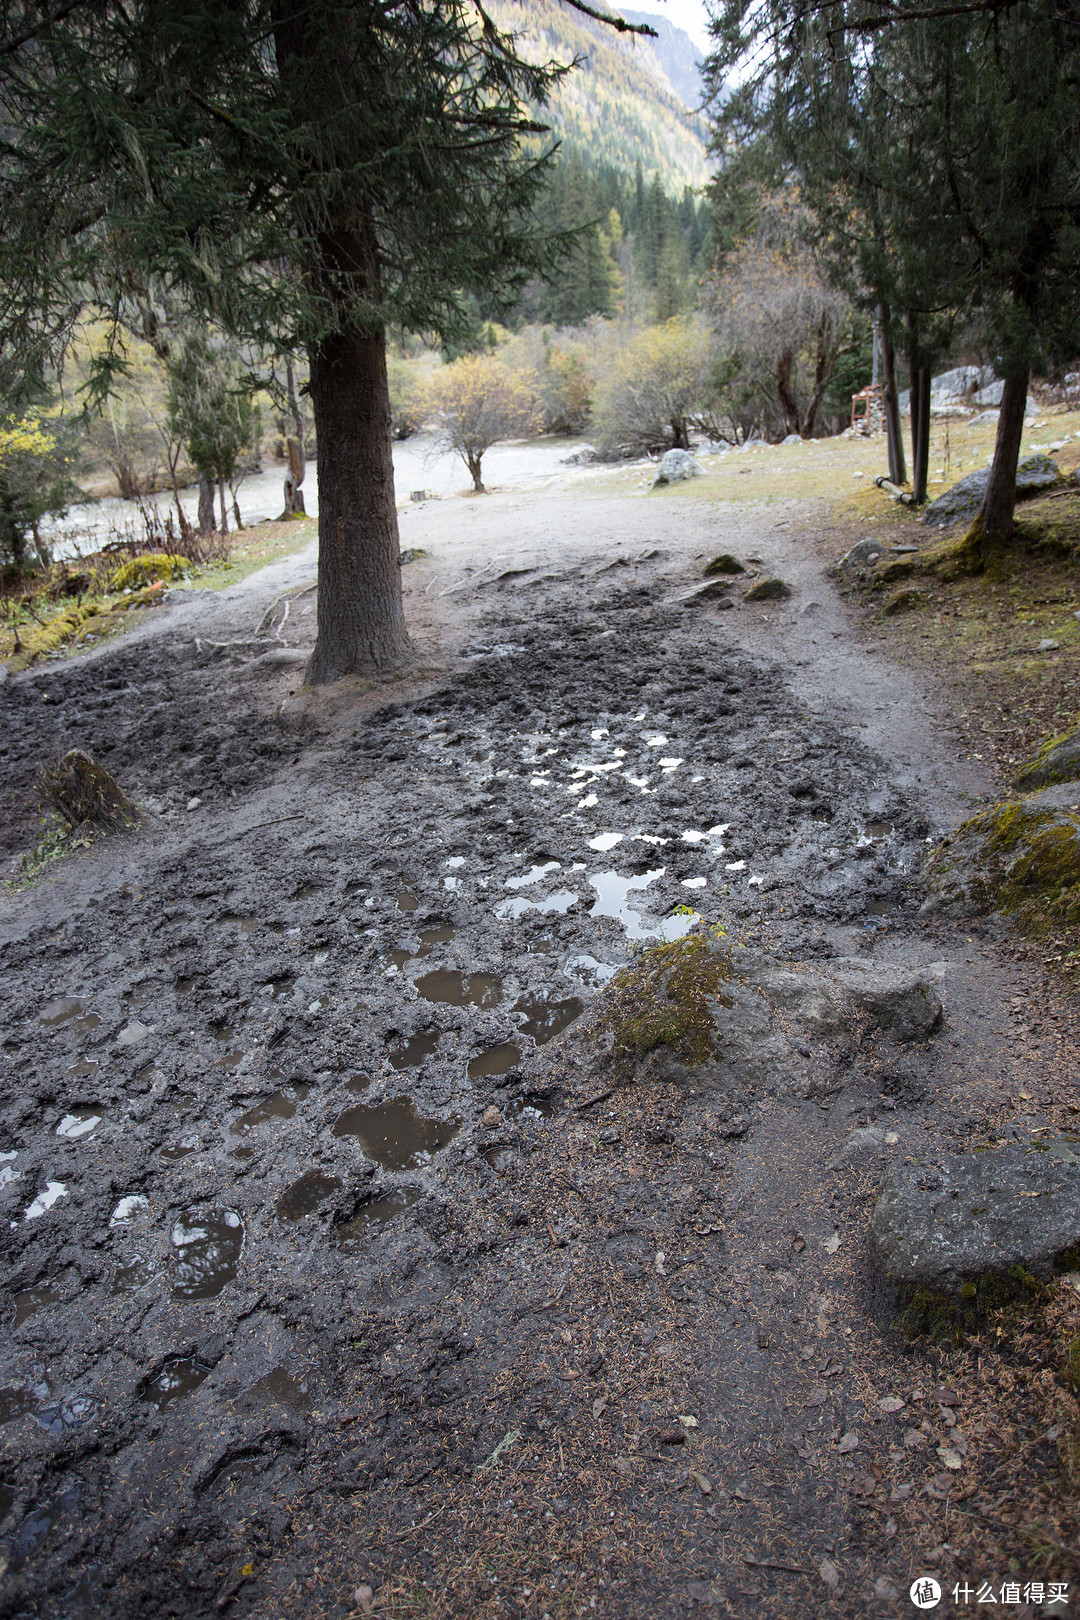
<point x="620" y="106"/>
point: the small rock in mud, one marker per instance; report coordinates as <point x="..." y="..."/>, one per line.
<point x="725" y="563"/>
<point x="905" y="1005"/>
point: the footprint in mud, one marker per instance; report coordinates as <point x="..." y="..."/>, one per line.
<point x="173" y="1381"/>
<point x="495" y="1060"/>
<point x="207" y="1251"/>
<point x="546" y="1016"/>
<point x="375" y="1213"/>
<point x="394" y="1134"/>
<point x="460" y="989"/>
<point x="305" y="1194"/>
<point x="279" y="1105"/>
<point x="411" y="1054"/>
<point x="31" y="1300"/>
<point x="61" y="1011"/>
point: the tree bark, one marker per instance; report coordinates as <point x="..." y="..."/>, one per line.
<point x="893" y="434"/>
<point x="224" y="509"/>
<point x="788" y="403"/>
<point x="361" y="621"/>
<point x="294" y="449"/>
<point x="920" y="431"/>
<point x="994" y="522"/>
<point x="207" y="519"/>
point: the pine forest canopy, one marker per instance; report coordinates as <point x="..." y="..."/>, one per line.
<point x="938" y="147"/>
<point x="302" y="176"/>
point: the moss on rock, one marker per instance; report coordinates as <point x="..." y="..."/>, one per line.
<point x="146" y="568"/>
<point x="1017" y="859"/>
<point x="768" y="590"/>
<point x="662" y="999"/>
<point x="902" y="602"/>
<point x="1058" y="760"/>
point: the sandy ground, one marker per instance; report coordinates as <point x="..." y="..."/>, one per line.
<point x="336" y="1256"/>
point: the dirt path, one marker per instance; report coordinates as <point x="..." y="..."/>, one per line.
<point x="535" y="1342"/>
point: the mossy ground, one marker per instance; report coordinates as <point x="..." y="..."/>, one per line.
<point x="663" y="999"/>
<point x="87" y="600"/>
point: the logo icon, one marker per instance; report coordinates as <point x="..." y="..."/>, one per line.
<point x="925" y="1592"/>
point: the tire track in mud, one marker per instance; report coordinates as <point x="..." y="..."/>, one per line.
<point x="321" y="1200"/>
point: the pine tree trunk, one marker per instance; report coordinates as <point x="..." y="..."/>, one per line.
<point x="224" y="509"/>
<point x="920" y="432"/>
<point x="207" y="520"/>
<point x="294" y="449"/>
<point x="995" y="517"/>
<point x="361" y="622"/>
<point x="893" y="432"/>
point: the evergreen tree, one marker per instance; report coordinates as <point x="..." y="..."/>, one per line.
<point x="301" y="175"/>
<point x="942" y="154"/>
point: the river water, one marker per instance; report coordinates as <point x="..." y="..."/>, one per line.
<point x="418" y="465"/>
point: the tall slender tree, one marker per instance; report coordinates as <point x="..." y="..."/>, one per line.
<point x="304" y="175"/>
<point x="939" y="145"/>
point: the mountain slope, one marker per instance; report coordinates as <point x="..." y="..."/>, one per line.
<point x="620" y="106"/>
<point x="678" y="56"/>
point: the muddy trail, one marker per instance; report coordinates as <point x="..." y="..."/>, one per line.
<point x="339" y="1250"/>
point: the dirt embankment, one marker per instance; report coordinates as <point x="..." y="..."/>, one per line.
<point x="341" y="1254"/>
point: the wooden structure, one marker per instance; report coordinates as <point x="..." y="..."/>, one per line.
<point x="872" y="417"/>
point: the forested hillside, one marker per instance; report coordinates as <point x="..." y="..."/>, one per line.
<point x="645" y="256"/>
<point x="621" y="106"/>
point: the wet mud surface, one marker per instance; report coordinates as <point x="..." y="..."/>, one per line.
<point x="335" y="1248"/>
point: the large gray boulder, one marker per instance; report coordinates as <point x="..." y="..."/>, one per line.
<point x="954" y="1223"/>
<point x="963" y="500"/>
<point x="675" y="466"/>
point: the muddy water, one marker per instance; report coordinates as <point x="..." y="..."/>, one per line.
<point x="461" y="989"/>
<point x="496" y="1060"/>
<point x="546" y="1016"/>
<point x="175" y="1380"/>
<point x="395" y="1135"/>
<point x="279" y="1105"/>
<point x="31" y="1300"/>
<point x="206" y="1252"/>
<point x="378" y="1212"/>
<point x="306" y="1194"/>
<point x="411" y="1053"/>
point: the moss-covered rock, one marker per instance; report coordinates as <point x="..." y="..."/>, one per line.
<point x="768" y="590"/>
<point x="724" y="564"/>
<point x="1058" y="760"/>
<point x="892" y="571"/>
<point x="1016" y="858"/>
<point x="664" y="999"/>
<point x="902" y="602"/>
